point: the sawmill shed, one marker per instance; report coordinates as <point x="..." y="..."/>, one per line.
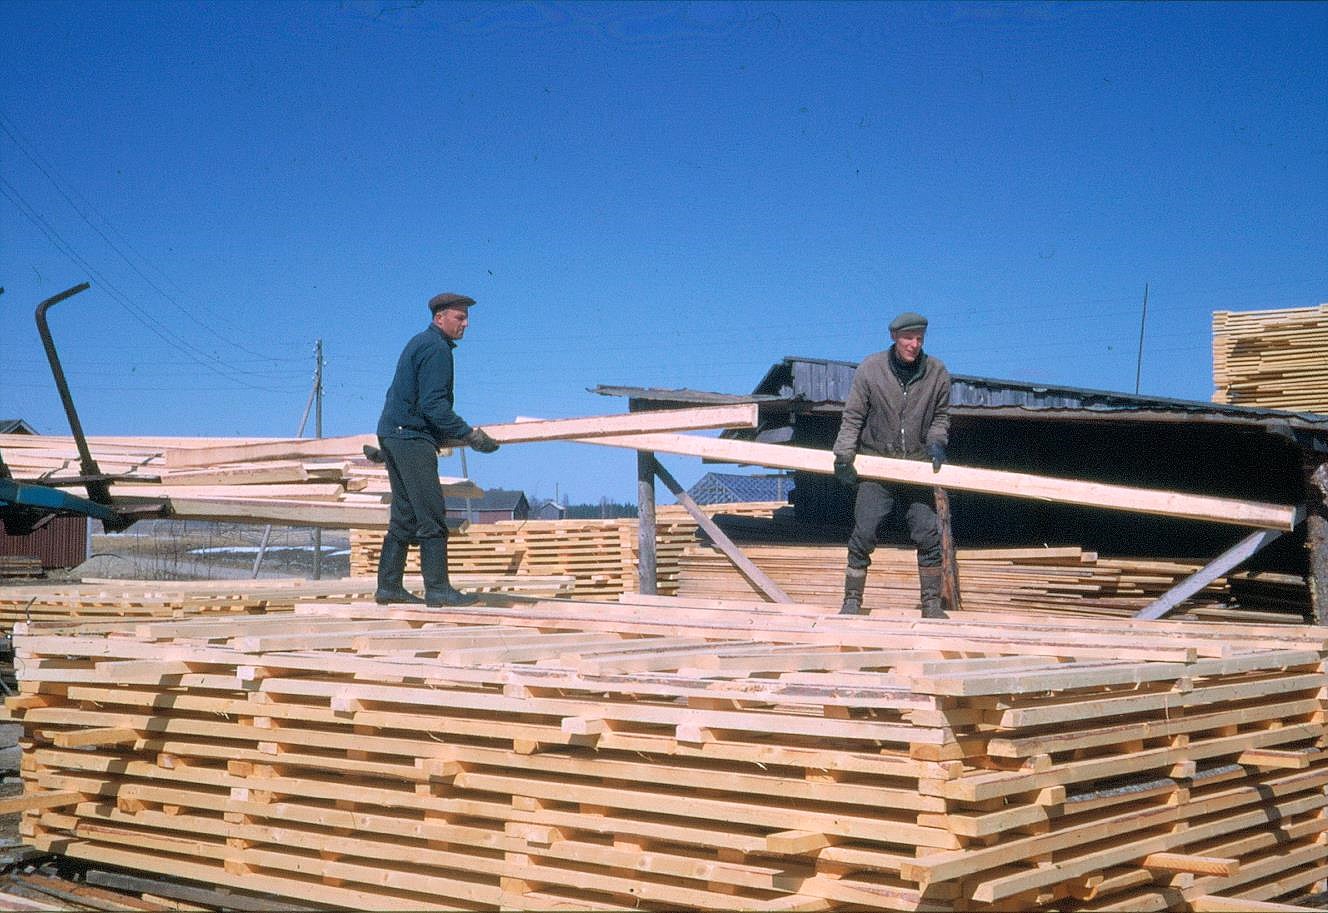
<point x="1093" y="435"/>
<point x="62" y="542"/>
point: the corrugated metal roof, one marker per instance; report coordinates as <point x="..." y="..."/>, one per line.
<point x="728" y="488"/>
<point x="819" y="380"/>
<point x="799" y="384"/>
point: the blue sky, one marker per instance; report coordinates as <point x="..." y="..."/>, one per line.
<point x="652" y="194"/>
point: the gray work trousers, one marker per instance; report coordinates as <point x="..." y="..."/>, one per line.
<point x="873" y="504"/>
<point x="418" y="509"/>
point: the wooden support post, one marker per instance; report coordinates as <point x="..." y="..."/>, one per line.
<point x="645" y="517"/>
<point x="1192" y="584"/>
<point x="745" y="566"/>
<point x="949" y="562"/>
<point x="1316" y="541"/>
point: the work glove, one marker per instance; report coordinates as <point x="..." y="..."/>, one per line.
<point x="480" y="440"/>
<point x="937" y="452"/>
<point x="845" y="472"/>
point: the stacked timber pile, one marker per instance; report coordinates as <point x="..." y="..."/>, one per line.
<point x="674" y="754"/>
<point x="600" y="554"/>
<point x="111" y="600"/>
<point x="320" y="482"/>
<point x="1276" y="359"/>
<point x="998" y="580"/>
<point x="21" y="566"/>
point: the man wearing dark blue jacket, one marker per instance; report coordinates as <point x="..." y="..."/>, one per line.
<point x="418" y="420"/>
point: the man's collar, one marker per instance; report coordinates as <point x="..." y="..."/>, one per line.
<point x="448" y="339"/>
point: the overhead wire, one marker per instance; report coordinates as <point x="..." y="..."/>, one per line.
<point x="11" y="193"/>
<point x="8" y="128"/>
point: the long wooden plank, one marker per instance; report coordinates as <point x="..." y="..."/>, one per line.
<point x="758" y="577"/>
<point x="350" y="447"/>
<point x="742" y="415"/>
<point x="1241" y="551"/>
<point x="967" y="478"/>
<point x="527" y="430"/>
<point x="292" y="513"/>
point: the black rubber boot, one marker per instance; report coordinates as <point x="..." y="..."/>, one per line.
<point x="929" y="586"/>
<point x="438" y="590"/>
<point x="391" y="568"/>
<point x="855" y="581"/>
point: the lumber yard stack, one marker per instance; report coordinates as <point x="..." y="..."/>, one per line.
<point x="1275" y="359"/>
<point x="1061" y="580"/>
<point x="21" y="566"/>
<point x="323" y="482"/>
<point x="666" y="753"/>
<point x="93" y="601"/>
<point x="600" y="554"/>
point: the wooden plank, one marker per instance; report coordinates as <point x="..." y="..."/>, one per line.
<point x="38" y="800"/>
<point x="1185" y="862"/>
<point x="89" y="737"/>
<point x="1210" y="903"/>
<point x="291" y="513"/>
<point x="758" y="577"/>
<point x="967" y="478"/>
<point x="1237" y="554"/>
<point x="349" y="447"/>
<point x="528" y="430"/>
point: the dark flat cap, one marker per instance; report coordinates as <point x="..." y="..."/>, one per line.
<point x="908" y="321"/>
<point x="449" y="300"/>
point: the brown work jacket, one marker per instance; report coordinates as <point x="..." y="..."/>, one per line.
<point x="882" y="417"/>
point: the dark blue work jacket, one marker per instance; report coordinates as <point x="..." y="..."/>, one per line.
<point x="419" y="402"/>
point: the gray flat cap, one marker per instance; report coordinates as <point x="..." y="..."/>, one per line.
<point x="908" y="321"/>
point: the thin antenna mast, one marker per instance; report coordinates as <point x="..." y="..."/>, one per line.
<point x="1139" y="363"/>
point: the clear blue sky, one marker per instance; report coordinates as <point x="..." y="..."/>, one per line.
<point x="652" y="194"/>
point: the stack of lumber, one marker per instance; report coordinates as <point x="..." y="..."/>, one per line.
<point x="682" y="754"/>
<point x="1275" y="359"/>
<point x="600" y="554"/>
<point x="24" y="891"/>
<point x="20" y="566"/>
<point x="304" y="482"/>
<point x="998" y="580"/>
<point x="108" y="600"/>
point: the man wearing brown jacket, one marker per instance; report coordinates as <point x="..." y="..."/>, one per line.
<point x="898" y="406"/>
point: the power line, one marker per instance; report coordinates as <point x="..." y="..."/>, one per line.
<point x="7" y="126"/>
<point x="11" y="193"/>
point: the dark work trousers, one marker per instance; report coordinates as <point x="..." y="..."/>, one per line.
<point x="874" y="503"/>
<point x="418" y="509"/>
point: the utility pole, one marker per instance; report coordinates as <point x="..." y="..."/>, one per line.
<point x="318" y="433"/>
<point x="1139" y="363"/>
<point x="315" y="394"/>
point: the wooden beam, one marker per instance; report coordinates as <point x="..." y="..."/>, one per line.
<point x="351" y="447"/>
<point x="1186" y="862"/>
<point x="1316" y="540"/>
<point x="289" y="513"/>
<point x="968" y="478"/>
<point x="647" y="579"/>
<point x="83" y="738"/>
<point x="745" y="566"/>
<point x="526" y="430"/>
<point x="29" y="801"/>
<point x="1211" y="903"/>
<point x="1224" y="562"/>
